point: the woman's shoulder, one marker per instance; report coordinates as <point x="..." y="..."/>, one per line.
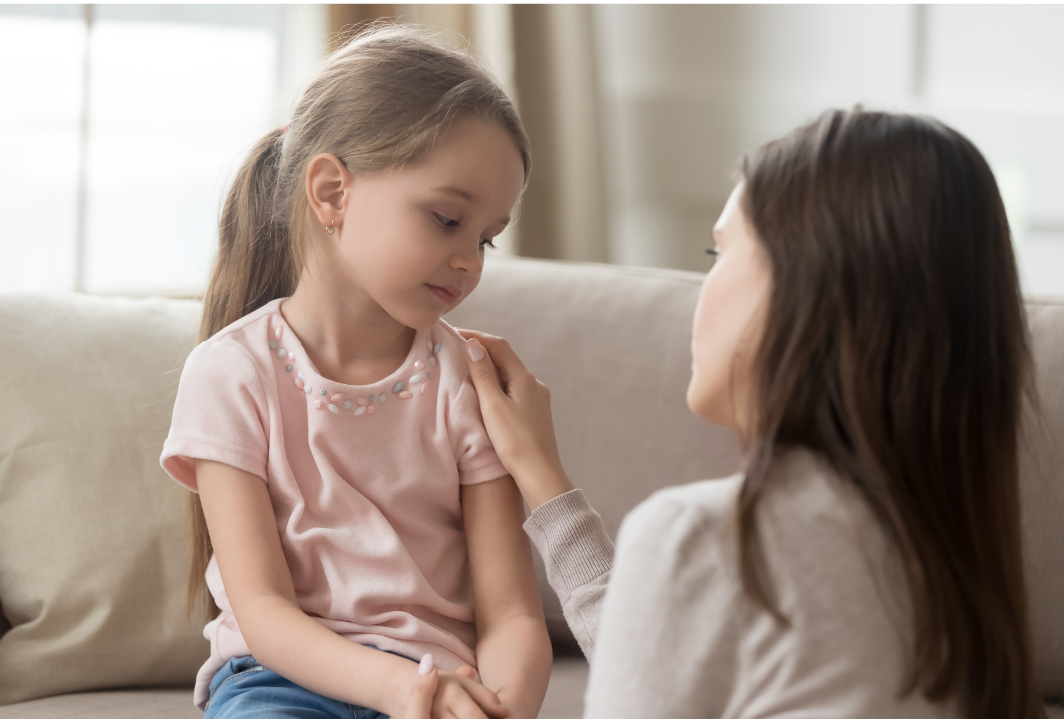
<point x="805" y="505"/>
<point x="674" y="519"/>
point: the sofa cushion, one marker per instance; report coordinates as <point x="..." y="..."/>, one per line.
<point x="92" y="532"/>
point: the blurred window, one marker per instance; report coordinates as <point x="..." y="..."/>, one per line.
<point x="123" y="127"/>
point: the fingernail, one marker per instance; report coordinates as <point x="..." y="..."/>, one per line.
<point x="427" y="664"/>
<point x="475" y="349"/>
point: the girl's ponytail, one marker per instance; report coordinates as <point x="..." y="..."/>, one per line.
<point x="255" y="264"/>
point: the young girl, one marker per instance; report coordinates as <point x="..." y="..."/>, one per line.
<point x="357" y="513"/>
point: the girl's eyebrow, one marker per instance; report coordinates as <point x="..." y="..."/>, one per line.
<point x="464" y="194"/>
<point x="468" y="197"/>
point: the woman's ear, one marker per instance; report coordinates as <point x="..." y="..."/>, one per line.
<point x="328" y="184"/>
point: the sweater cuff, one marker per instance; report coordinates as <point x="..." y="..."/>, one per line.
<point x="572" y="540"/>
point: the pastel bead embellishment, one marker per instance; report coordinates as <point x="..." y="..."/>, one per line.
<point x="298" y="382"/>
<point x="432" y="360"/>
<point x="362" y="401"/>
<point x="273" y="345"/>
<point x="337" y="397"/>
<point x="282" y="353"/>
<point x="288" y="368"/>
<point x="347" y="404"/>
<point x="321" y="392"/>
<point x="419" y="365"/>
<point x="301" y="376"/>
<point x="436" y="349"/>
<point x="277" y="333"/>
<point x="423" y="388"/>
<point x="381" y="398"/>
<point x="405" y="394"/>
<point x="318" y="404"/>
<point x="372" y="397"/>
<point x="308" y="389"/>
<point x="428" y="343"/>
<point x="361" y="410"/>
<point x="415" y="379"/>
<point x="396" y="387"/>
<point x="369" y="409"/>
<point x="334" y="409"/>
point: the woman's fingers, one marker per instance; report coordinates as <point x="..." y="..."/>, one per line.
<point x="421" y="696"/>
<point x="467" y="671"/>
<point x="502" y="354"/>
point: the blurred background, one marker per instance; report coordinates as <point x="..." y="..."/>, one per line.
<point x="122" y="125"/>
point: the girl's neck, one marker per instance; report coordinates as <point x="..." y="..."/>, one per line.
<point x="347" y="335"/>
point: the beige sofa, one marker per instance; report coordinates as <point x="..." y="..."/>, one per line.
<point x="92" y="539"/>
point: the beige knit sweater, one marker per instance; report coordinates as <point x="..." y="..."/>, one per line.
<point x="675" y="635"/>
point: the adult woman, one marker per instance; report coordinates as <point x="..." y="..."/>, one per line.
<point x="864" y="332"/>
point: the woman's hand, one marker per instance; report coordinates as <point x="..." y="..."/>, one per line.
<point x="516" y="409"/>
<point x="436" y="695"/>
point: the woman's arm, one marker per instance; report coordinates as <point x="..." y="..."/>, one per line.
<point x="513" y="649"/>
<point x="568" y="533"/>
<point x="281" y="637"/>
<point x="578" y="556"/>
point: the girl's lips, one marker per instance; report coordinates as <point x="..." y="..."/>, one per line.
<point x="448" y="294"/>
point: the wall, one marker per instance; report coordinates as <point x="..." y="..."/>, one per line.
<point x="688" y="89"/>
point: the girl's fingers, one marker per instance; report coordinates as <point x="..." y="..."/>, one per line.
<point x="467" y="671"/>
<point x="465" y="708"/>
<point x="485" y="698"/>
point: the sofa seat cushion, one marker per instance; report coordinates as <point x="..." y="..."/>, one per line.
<point x="128" y="704"/>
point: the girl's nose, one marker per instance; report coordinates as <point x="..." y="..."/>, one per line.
<point x="470" y="261"/>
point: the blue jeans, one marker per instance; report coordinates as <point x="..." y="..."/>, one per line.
<point x="243" y="688"/>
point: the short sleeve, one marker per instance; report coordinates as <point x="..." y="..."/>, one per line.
<point x="220" y="414"/>
<point x="476" y="458"/>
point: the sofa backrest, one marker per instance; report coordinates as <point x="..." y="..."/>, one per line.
<point x="92" y="533"/>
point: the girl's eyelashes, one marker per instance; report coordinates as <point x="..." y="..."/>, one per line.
<point x="449" y="224"/>
<point x="446" y="221"/>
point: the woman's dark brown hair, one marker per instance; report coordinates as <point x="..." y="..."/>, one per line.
<point x="896" y="346"/>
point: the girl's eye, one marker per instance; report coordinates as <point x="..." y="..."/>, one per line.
<point x="487" y="243"/>
<point x="446" y="221"/>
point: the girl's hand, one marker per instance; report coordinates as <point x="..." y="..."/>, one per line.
<point x="439" y="695"/>
<point x="516" y="409"/>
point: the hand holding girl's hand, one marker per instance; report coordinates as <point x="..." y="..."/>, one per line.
<point x="439" y="695"/>
<point x="516" y="409"/>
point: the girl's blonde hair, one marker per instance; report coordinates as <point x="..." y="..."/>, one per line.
<point x="381" y="100"/>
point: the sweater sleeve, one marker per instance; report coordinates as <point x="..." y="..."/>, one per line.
<point x="578" y="555"/>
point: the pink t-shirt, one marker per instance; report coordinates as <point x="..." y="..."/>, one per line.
<point x="364" y="482"/>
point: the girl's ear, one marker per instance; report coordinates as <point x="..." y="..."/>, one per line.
<point x="328" y="183"/>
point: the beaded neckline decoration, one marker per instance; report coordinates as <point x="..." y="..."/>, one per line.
<point x="338" y="402"/>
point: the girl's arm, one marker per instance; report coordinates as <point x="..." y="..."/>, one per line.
<point x="280" y="636"/>
<point x="568" y="533"/>
<point x="513" y="649"/>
